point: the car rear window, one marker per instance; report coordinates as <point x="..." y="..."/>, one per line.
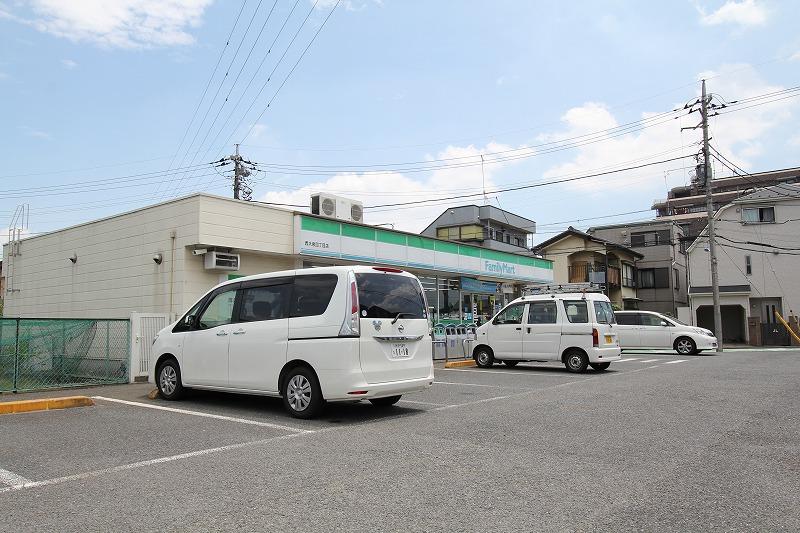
<point x="386" y="295"/>
<point x="603" y="312"/>
<point x="576" y="310"/>
<point x="312" y="293"/>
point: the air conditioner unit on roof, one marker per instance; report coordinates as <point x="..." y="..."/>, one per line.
<point x="221" y="261"/>
<point x="331" y="206"/>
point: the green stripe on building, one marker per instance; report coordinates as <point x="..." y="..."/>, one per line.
<point x="447" y="247"/>
<point x="421" y="242"/>
<point x="320" y="225"/>
<point x="358" y="232"/>
<point x="469" y="251"/>
<point x="392" y="238"/>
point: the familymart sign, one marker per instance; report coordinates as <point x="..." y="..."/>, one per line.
<point x="339" y="240"/>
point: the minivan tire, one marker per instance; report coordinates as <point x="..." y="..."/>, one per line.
<point x="385" y="402"/>
<point x="484" y="357"/>
<point x="685" y="346"/>
<point x="600" y="366"/>
<point x="168" y="380"/>
<point x="302" y="395"/>
<point x="576" y="361"/>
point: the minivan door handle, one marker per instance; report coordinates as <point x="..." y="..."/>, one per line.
<point x="221" y="334"/>
<point x="239" y="332"/>
<point x="529" y="330"/>
<point x="519" y="329"/>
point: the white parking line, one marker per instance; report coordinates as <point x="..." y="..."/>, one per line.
<point x="676" y="361"/>
<point x="649" y="360"/>
<point x="423" y="403"/>
<point x="466" y="384"/>
<point x="206" y="415"/>
<point x="10" y="478"/>
<point x="629" y="359"/>
<point x="528" y="373"/>
<point x="97" y="473"/>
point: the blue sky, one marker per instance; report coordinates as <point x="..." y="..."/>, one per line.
<point x="114" y="85"/>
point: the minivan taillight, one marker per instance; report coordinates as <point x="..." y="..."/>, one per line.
<point x="350" y="326"/>
<point x="595" y="337"/>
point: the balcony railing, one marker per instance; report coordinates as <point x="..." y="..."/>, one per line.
<point x="593" y="272"/>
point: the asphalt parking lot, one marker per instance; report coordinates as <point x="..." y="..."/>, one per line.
<point x="659" y="442"/>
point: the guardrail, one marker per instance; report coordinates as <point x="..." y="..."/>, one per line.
<point x="45" y="353"/>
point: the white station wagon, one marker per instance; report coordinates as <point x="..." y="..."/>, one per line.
<point x="577" y="329"/>
<point x="646" y="329"/>
<point x="340" y="333"/>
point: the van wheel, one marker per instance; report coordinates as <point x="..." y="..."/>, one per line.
<point x="600" y="366"/>
<point x="576" y="361"/>
<point x="302" y="396"/>
<point x="385" y="402"/>
<point x="484" y="357"/>
<point x="512" y="364"/>
<point x="169" y="380"/>
<point x="685" y="346"/>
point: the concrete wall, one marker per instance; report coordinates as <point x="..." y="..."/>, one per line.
<point x="114" y="273"/>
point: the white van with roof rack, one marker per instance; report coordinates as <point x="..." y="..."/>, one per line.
<point x="339" y="333"/>
<point x="575" y="328"/>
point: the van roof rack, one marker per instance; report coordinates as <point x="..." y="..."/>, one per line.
<point x="561" y="288"/>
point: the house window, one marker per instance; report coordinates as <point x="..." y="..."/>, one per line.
<point x="628" y="275"/>
<point x="649" y="238"/>
<point x="677" y="279"/>
<point x="748" y="265"/>
<point x="654" y="278"/>
<point x="758" y="215"/>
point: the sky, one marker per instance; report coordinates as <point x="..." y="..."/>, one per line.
<point x="110" y="105"/>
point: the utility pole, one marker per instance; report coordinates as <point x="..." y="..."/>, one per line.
<point x="237" y="172"/>
<point x="712" y="245"/>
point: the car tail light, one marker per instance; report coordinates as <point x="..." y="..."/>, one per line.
<point x="595" y="337"/>
<point x="351" y="325"/>
<point x="388" y="269"/>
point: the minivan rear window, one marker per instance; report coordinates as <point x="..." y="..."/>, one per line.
<point x="387" y="295"/>
<point x="603" y="312"/>
<point x="312" y="293"/>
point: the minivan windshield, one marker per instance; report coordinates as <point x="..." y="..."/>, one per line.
<point x="387" y="295"/>
<point x="603" y="312"/>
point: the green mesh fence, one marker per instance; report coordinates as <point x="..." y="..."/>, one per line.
<point x="54" y="353"/>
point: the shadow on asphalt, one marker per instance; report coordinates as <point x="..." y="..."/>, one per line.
<point x="534" y="369"/>
<point x="263" y="406"/>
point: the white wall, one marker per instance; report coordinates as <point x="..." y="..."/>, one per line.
<point x="114" y="274"/>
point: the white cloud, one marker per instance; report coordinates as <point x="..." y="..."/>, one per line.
<point x="115" y="23"/>
<point x="38" y="134"/>
<point x="393" y="187"/>
<point x="795" y="56"/>
<point x="68" y="64"/>
<point x="348" y="5"/>
<point x="737" y="135"/>
<point x="743" y="13"/>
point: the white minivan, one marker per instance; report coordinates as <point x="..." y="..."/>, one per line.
<point x="577" y="329"/>
<point x="309" y="336"/>
<point x="646" y="329"/>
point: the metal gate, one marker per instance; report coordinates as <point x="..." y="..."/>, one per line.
<point x="144" y="327"/>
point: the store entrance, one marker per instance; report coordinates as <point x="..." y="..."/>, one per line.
<point x="478" y="308"/>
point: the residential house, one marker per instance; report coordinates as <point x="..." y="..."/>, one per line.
<point x="758" y="254"/>
<point x="580" y="257"/>
<point x="662" y="279"/>
<point x="486" y="226"/>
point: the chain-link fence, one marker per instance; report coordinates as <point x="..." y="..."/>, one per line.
<point x="53" y="353"/>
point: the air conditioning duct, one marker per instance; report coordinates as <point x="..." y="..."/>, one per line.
<point x="331" y="206"/>
<point x="221" y="261"/>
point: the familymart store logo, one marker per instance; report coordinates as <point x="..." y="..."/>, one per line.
<point x="498" y="267"/>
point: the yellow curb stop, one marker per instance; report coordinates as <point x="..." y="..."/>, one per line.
<point x="44" y="404"/>
<point x="459" y="364"/>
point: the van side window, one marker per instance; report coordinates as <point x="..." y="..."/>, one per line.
<point x="312" y="293"/>
<point x="650" y="320"/>
<point x="542" y="313"/>
<point x="627" y="319"/>
<point x="577" y="312"/>
<point x="264" y="303"/>
<point x="219" y="312"/>
<point x="510" y="315"/>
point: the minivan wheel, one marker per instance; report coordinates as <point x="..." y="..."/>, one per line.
<point x="600" y="366"/>
<point x="685" y="346"/>
<point x="484" y="358"/>
<point x="169" y="380"/>
<point x="302" y="396"/>
<point x="576" y="361"/>
<point x="511" y="364"/>
<point x="385" y="402"/>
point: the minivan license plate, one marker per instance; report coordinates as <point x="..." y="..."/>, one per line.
<point x="400" y="351"/>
